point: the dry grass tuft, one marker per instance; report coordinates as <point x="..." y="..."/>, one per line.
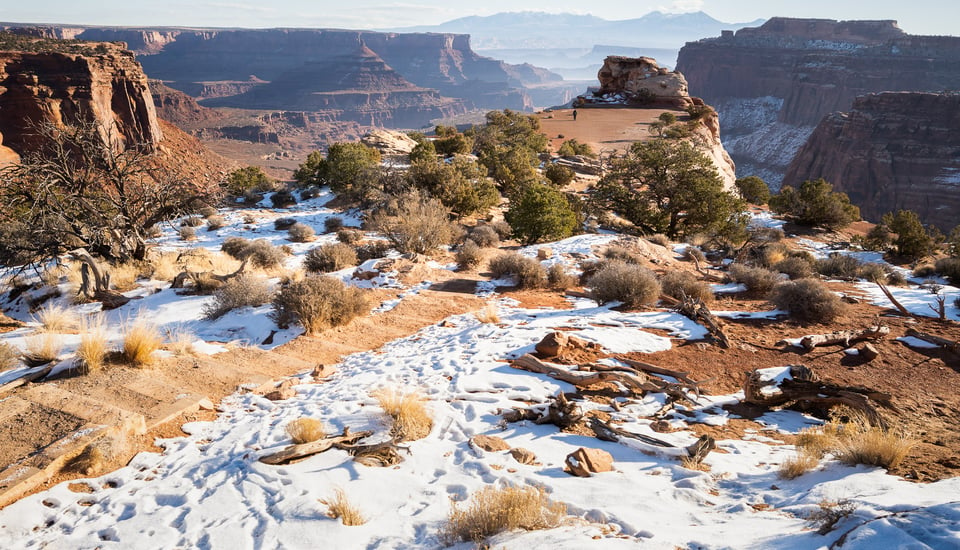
<point x="305" y="430"/>
<point x="495" y="510"/>
<point x="141" y="340"/>
<point x="42" y="348"/>
<point x="855" y="441"/>
<point x="180" y="340"/>
<point x="797" y="466"/>
<point x="339" y="507"/>
<point x="692" y="463"/>
<point x="165" y="266"/>
<point x="9" y="356"/>
<point x="54" y="318"/>
<point x="124" y="276"/>
<point x="489" y="314"/>
<point x="411" y="418"/>
<point x="93" y="346"/>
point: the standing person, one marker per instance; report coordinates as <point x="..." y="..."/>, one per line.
<point x="574" y="115"/>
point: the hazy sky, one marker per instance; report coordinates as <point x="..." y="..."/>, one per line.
<point x="915" y="17"/>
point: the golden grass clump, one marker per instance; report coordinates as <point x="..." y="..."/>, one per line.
<point x="9" y="356"/>
<point x="42" y="348"/>
<point x="691" y="463"/>
<point x="411" y="420"/>
<point x="140" y="341"/>
<point x="339" y="507"/>
<point x="305" y="430"/>
<point x="54" y="318"/>
<point x="93" y="345"/>
<point x="489" y="314"/>
<point x="165" y="266"/>
<point x="124" y="276"/>
<point x="795" y="467"/>
<point x="854" y="441"/>
<point x="494" y="510"/>
<point x="180" y="340"/>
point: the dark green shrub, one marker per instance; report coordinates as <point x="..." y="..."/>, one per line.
<point x="541" y="213"/>
<point x="753" y="190"/>
<point x="758" y="280"/>
<point x="684" y="283"/>
<point x="300" y="233"/>
<point x="807" y="300"/>
<point x="330" y="257"/>
<point x="558" y="175"/>
<point x="250" y="178"/>
<point x="618" y="281"/>
<point x="572" y="148"/>
<point x="815" y="204"/>
<point x="317" y="303"/>
<point x="528" y="272"/>
<point x="913" y="240"/>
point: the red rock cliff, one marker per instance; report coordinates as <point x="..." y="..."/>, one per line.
<point x="894" y="150"/>
<point x="109" y="88"/>
<point x="772" y="84"/>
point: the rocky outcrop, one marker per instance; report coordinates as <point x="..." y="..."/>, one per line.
<point x="108" y="88"/>
<point x="894" y="150"/>
<point x="641" y="83"/>
<point x="772" y="84"/>
<point x="390" y="143"/>
<point x="179" y="108"/>
<point x="641" y="78"/>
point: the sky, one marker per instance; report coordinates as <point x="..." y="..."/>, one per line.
<point x="917" y="17"/>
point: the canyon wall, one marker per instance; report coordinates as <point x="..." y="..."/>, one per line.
<point x="108" y="88"/>
<point x="893" y="150"/>
<point x="772" y="84"/>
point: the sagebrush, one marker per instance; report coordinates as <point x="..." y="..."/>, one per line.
<point x="494" y="510"/>
<point x="622" y="282"/>
<point x="317" y="303"/>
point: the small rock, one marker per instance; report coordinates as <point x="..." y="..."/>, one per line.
<point x="205" y="404"/>
<point x="661" y="426"/>
<point x="523" y="456"/>
<point x="489" y="443"/>
<point x="554" y="344"/>
<point x="869" y="352"/>
<point x="281" y="394"/>
<point x="544" y="253"/>
<point x="585" y="461"/>
<point x="323" y="371"/>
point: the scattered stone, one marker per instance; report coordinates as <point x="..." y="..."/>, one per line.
<point x="523" y="456"/>
<point x="544" y="253"/>
<point x="869" y="352"/>
<point x="205" y="404"/>
<point x="282" y="393"/>
<point x="489" y="443"/>
<point x="661" y="426"/>
<point x="584" y="461"/>
<point x="323" y="371"/>
<point x="555" y="343"/>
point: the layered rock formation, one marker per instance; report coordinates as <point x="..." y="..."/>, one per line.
<point x="202" y="59"/>
<point x="108" y="88"/>
<point x="894" y="150"/>
<point x="357" y="85"/>
<point x="772" y="84"/>
<point x="640" y="82"/>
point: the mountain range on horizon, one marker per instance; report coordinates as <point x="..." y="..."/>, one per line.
<point x="541" y="30"/>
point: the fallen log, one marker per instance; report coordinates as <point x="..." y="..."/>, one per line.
<point x="109" y="299"/>
<point x="694" y="308"/>
<point x="675" y="391"/>
<point x="380" y="455"/>
<point x="951" y="345"/>
<point x="843" y="337"/>
<point x="303" y="450"/>
<point x="697" y="451"/>
<point x="27" y="378"/>
<point x="197" y="276"/>
<point x="635" y="382"/>
<point x="561" y="412"/>
<point x="804" y="390"/>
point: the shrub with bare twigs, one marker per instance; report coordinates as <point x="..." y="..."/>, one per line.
<point x="317" y="303"/>
<point x="622" y="282"/>
<point x="528" y="272"/>
<point x="494" y="510"/>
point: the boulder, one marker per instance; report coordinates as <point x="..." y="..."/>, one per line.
<point x="390" y="143"/>
<point x="585" y="461"/>
<point x="523" y="456"/>
<point x="489" y="443"/>
<point x="558" y="342"/>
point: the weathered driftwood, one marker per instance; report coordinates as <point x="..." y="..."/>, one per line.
<point x="807" y="392"/>
<point x="698" y="312"/>
<point x="110" y="299"/>
<point x="303" y="450"/>
<point x="386" y="453"/>
<point x="654" y="369"/>
<point x="635" y="382"/>
<point x="844" y="337"/>
<point x="698" y="450"/>
<point x="894" y="301"/>
<point x="27" y="378"/>
<point x="951" y="345"/>
<point x="561" y="412"/>
<point x="197" y="276"/>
